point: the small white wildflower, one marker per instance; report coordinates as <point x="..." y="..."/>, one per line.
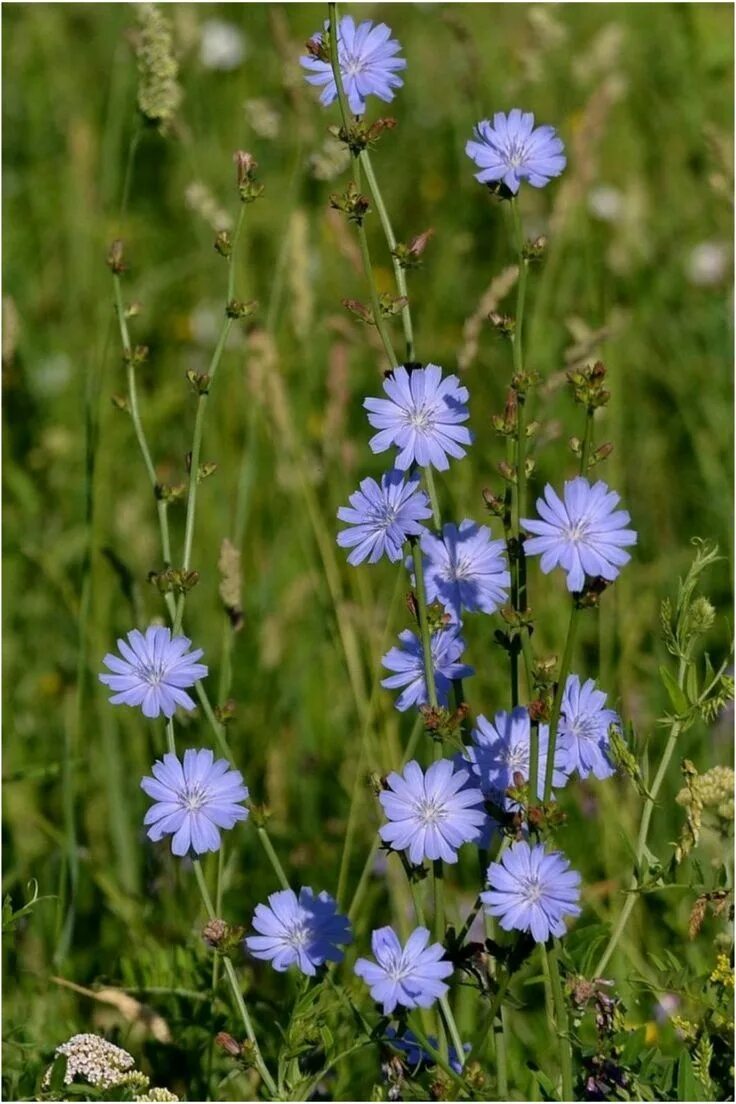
<point x="708" y="263"/>
<point x="222" y="46"/>
<point x="94" y="1059"/>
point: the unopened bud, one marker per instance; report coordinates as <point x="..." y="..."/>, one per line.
<point x="228" y="1044"/>
<point x="115" y="258"/>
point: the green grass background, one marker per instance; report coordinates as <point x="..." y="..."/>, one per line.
<point x="642" y="96"/>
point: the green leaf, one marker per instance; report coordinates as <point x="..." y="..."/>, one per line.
<point x="679" y="702"/>
<point x="546" y="1084"/>
<point x="58" y="1073"/>
<point x="687" y="1088"/>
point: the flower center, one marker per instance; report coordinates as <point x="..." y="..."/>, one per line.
<point x="532" y="889"/>
<point x="353" y="66"/>
<point x="461" y="569"/>
<point x="431" y="810"/>
<point x="516" y="756"/>
<point x="516" y="154"/>
<point x="577" y="532"/>
<point x="422" y="417"/>
<point x="385" y="516"/>
<point x="396" y="968"/>
<point x="583" y="728"/>
<point x="194" y="797"/>
<point x="152" y="673"/>
<point x="298" y="935"/>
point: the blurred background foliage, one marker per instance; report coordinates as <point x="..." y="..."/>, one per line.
<point x="637" y="273"/>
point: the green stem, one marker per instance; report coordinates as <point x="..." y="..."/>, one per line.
<point x="202" y="402"/>
<point x="642" y="839"/>
<point x="362" y="239"/>
<point x="563" y="1027"/>
<point x="452" y="1028"/>
<point x="399" y="272"/>
<point x="235" y="986"/>
<point x="533" y="762"/>
<point x="425" y="634"/>
<point x="368" y="866"/>
<point x="273" y="858"/>
<point x="557" y="703"/>
<point x="433" y="501"/>
<point x="161" y="506"/>
<point x="437" y="1057"/>
<point x="170" y="741"/>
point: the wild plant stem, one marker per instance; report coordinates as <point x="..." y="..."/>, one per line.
<point x="641" y="842"/>
<point x="562" y="1023"/>
<point x="362" y="239"/>
<point x="399" y="273"/>
<point x="437" y="1057"/>
<point x="424" y="632"/>
<point x="363" y="880"/>
<point x="570" y="639"/>
<point x="273" y="858"/>
<point x="235" y="986"/>
<point x="195" y="453"/>
<point x="161" y="506"/>
<point x="559" y="692"/>
<point x="433" y="500"/>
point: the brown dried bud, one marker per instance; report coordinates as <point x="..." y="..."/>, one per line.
<point x="318" y="48"/>
<point x="539" y="710"/>
<point x="503" y="323"/>
<point x="245" y="166"/>
<point x="494" y="503"/>
<point x="115" y="259"/>
<point x="223" y="243"/>
<point x="214" y="932"/>
<point x="228" y="1044"/>
<point x="360" y="310"/>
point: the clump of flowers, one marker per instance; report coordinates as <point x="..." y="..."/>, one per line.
<point x="193" y="800"/>
<point x="583" y="731"/>
<point x="368" y="60"/>
<point x="159" y="91"/>
<point x="430" y="815"/>
<point x="303" y="931"/>
<point x="511" y="149"/>
<point x="411" y="976"/>
<point x="465" y="570"/>
<point x="500" y="750"/>
<point x="382" y="518"/>
<point x="422" y="417"/>
<point x="446" y="646"/>
<point x="93" y="1059"/>
<point x="582" y="532"/>
<point x="532" y="890"/>
<point x="154" y="672"/>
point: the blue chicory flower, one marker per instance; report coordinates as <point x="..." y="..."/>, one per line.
<point x="154" y="671"/>
<point x="511" y="149"/>
<point x="193" y="800"/>
<point x="431" y="814"/>
<point x="368" y="64"/>
<point x="416" y="1056"/>
<point x="583" y="533"/>
<point x="304" y="931"/>
<point x="422" y="417"/>
<point x="410" y="976"/>
<point x="381" y="519"/>
<point x="532" y="890"/>
<point x="408" y="662"/>
<point x="500" y="749"/>
<point x="582" y="734"/>
<point x="465" y="569"/>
